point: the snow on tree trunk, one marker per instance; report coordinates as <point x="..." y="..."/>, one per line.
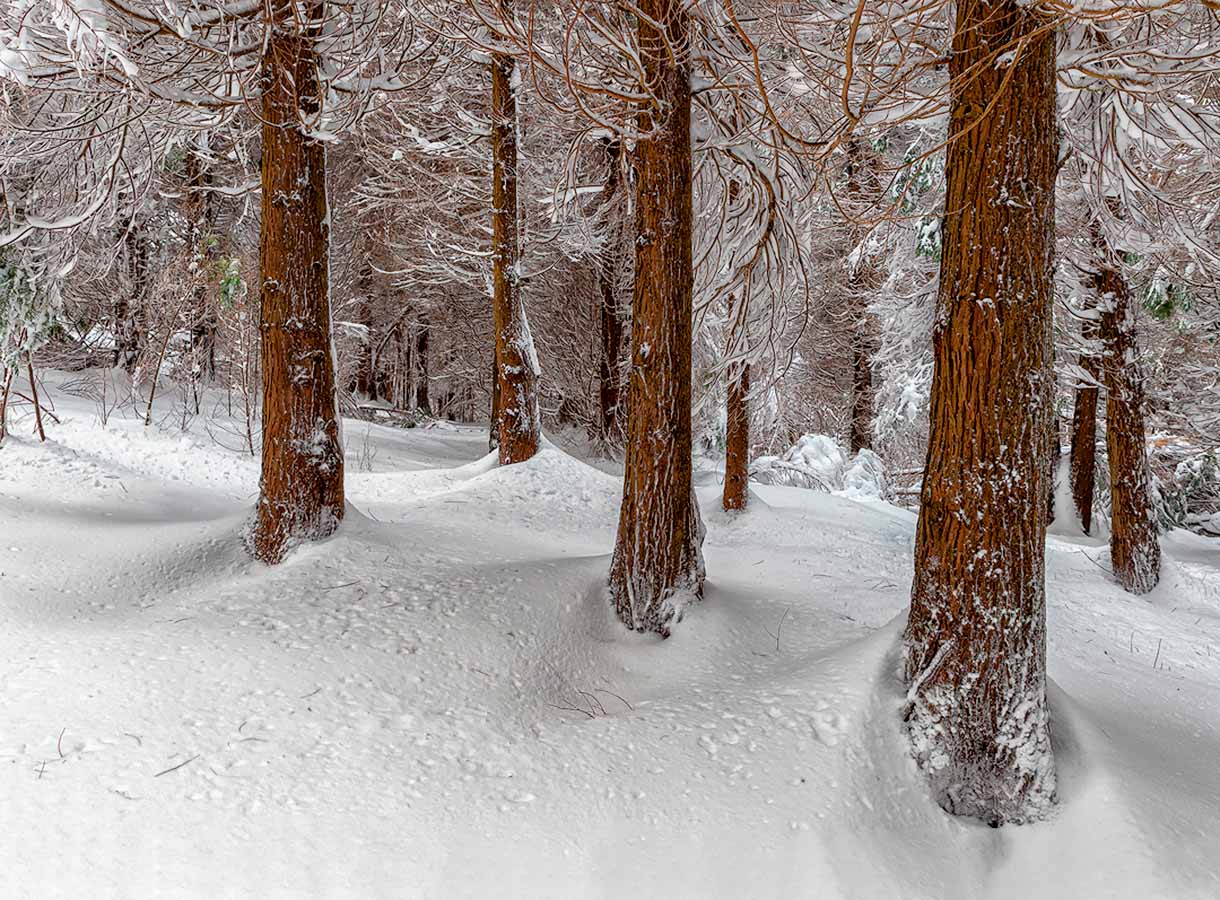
<point x="975" y="643"/>
<point x="863" y="188"/>
<point x="1135" y="554"/>
<point x="737" y="438"/>
<point x="201" y="223"/>
<point x="1084" y="432"/>
<point x="658" y="560"/>
<point x="301" y="491"/>
<point x="516" y="364"/>
<point x="611" y="324"/>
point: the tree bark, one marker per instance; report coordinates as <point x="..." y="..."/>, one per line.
<point x="611" y="323"/>
<point x="516" y="364"/>
<point x="863" y="186"/>
<point x="301" y="491"/>
<point x="737" y="438"/>
<point x="129" y="339"/>
<point x="363" y="381"/>
<point x="1084" y="431"/>
<point x="658" y="560"/>
<point x="422" y="401"/>
<point x="1135" y="553"/>
<point x="201" y="223"/>
<point x="975" y="643"/>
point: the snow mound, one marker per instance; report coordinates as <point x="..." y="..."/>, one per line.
<point x="817" y="462"/>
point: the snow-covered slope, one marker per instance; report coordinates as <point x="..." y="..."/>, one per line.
<point x="437" y="703"/>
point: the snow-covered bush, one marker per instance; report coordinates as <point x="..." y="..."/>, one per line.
<point x="1190" y="498"/>
<point x="817" y="462"/>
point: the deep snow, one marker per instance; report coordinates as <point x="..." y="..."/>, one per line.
<point x="437" y="702"/>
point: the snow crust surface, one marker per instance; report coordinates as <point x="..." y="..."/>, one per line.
<point x="436" y="703"/>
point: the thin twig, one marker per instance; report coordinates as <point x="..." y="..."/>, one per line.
<point x="177" y="767"/>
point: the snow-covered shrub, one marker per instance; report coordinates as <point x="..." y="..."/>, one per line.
<point x="29" y="301"/>
<point x="1190" y="497"/>
<point x="817" y="462"/>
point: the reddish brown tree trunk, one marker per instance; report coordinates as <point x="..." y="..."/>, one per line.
<point x="1135" y="553"/>
<point x="611" y="323"/>
<point x="975" y="643"/>
<point x="658" y="560"/>
<point x="301" y="491"/>
<point x="517" y="415"/>
<point x="737" y="438"/>
<point x="1084" y="431"/>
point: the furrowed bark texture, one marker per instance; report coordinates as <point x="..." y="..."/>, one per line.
<point x="301" y="491"/>
<point x="658" y="560"/>
<point x="518" y="416"/>
<point x="1135" y="553"/>
<point x="975" y="643"/>
<point x="737" y="439"/>
<point x="611" y="324"/>
<point x="1084" y="432"/>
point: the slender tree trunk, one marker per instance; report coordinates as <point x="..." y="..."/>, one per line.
<point x="861" y="436"/>
<point x="611" y="323"/>
<point x="301" y="495"/>
<point x="975" y="643"/>
<point x="1084" y="431"/>
<point x="129" y="338"/>
<point x="737" y="438"/>
<point x="658" y="559"/>
<point x="362" y="381"/>
<point x="421" y="361"/>
<point x="201" y="225"/>
<point x="1135" y="553"/>
<point x="863" y="186"/>
<point x="493" y="437"/>
<point x="516" y="364"/>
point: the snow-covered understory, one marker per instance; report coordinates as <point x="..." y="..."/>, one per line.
<point x="437" y="703"/>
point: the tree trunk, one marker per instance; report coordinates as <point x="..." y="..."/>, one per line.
<point x="128" y="339"/>
<point x="421" y="361"/>
<point x="658" y="559"/>
<point x="737" y="438"/>
<point x="301" y="491"/>
<point x="201" y="224"/>
<point x="611" y="323"/>
<point x="863" y="188"/>
<point x="861" y="436"/>
<point x="363" y="383"/>
<point x="975" y="643"/>
<point x="516" y="364"/>
<point x="1135" y="553"/>
<point x="1084" y="431"/>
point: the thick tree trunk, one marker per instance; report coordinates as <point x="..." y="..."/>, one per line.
<point x="975" y="643"/>
<point x="301" y="491"/>
<point x="737" y="438"/>
<point x="658" y="559"/>
<point x="1135" y="553"/>
<point x="516" y="364"/>
<point x="1084" y="432"/>
<point x="611" y="323"/>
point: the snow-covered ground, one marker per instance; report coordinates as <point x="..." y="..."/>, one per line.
<point x="437" y="703"/>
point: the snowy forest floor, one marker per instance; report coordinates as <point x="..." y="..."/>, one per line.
<point x="437" y="702"/>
